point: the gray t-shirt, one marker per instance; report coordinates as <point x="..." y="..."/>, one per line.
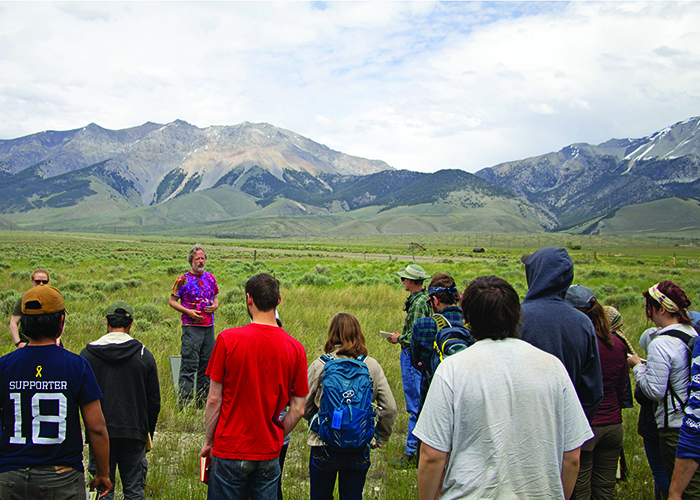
<point x="506" y="412"/>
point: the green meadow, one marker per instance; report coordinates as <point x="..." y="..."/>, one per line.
<point x="319" y="279"/>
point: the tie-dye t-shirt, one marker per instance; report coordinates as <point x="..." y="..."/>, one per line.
<point x="196" y="292"/>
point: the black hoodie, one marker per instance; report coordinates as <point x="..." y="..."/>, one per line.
<point x="128" y="377"/>
<point x="557" y="328"/>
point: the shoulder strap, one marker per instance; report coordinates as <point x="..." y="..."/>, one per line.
<point x="675" y="398"/>
<point x="361" y="357"/>
<point x="326" y="358"/>
<point x="686" y="338"/>
<point x="441" y="321"/>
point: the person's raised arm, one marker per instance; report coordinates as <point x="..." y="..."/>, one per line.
<point x="96" y="430"/>
<point x="569" y="471"/>
<point x="211" y="416"/>
<point x="431" y="466"/>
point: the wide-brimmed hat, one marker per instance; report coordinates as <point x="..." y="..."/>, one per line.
<point x="579" y="296"/>
<point x="42" y="299"/>
<point x="413" y="272"/>
<point x="121" y="309"/>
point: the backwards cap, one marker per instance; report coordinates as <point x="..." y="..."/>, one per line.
<point x="42" y="299"/>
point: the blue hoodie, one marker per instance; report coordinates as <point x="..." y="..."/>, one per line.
<point x="557" y="328"/>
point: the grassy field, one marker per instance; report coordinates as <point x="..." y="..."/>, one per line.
<point x="93" y="271"/>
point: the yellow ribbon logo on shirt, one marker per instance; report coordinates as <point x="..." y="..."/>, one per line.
<point x="38" y="371"/>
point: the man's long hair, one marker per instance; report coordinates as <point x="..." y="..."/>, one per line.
<point x="491" y="306"/>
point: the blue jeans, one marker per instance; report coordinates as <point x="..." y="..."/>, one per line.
<point x="351" y="469"/>
<point x="411" y="390"/>
<point x="656" y="464"/>
<point x="231" y="479"/>
<point x="197" y="346"/>
<point x="42" y="482"/>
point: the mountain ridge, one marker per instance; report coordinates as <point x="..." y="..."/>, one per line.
<point x="254" y="177"/>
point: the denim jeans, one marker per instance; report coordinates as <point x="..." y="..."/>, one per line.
<point x="351" y="469"/>
<point x="129" y="455"/>
<point x="656" y="464"/>
<point x="411" y="390"/>
<point x="42" y="482"/>
<point x="231" y="479"/>
<point x="197" y="346"/>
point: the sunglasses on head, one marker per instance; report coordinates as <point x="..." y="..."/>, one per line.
<point x="41" y="282"/>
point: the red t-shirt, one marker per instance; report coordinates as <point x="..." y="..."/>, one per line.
<point x="261" y="367"/>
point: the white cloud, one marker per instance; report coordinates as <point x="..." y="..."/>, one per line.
<point x="420" y="85"/>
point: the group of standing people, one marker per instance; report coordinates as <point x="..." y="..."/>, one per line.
<point x="45" y="389"/>
<point x="531" y="407"/>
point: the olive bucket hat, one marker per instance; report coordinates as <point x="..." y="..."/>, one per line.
<point x="413" y="272"/>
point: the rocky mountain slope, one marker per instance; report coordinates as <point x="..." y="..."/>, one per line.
<point x="583" y="181"/>
<point x="163" y="161"/>
<point x="256" y="179"/>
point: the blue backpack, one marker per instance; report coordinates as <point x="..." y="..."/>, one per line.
<point x="346" y="419"/>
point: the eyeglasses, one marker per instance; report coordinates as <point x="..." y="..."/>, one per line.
<point x="41" y="282"/>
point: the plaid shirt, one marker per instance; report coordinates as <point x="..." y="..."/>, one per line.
<point x="416" y="307"/>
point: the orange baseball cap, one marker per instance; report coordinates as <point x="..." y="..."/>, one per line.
<point x="42" y="299"/>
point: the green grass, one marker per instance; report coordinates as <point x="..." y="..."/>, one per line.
<point x="93" y="271"/>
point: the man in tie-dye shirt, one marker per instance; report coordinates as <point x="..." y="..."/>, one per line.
<point x="195" y="296"/>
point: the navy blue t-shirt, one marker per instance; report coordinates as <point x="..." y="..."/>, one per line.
<point x="41" y="390"/>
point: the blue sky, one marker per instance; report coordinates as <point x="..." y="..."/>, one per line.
<point x="422" y="86"/>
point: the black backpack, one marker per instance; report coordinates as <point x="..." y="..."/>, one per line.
<point x="450" y="339"/>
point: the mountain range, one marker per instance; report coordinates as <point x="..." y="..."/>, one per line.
<point x="255" y="179"/>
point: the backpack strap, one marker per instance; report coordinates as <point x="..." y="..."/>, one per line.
<point x="361" y="357"/>
<point x="675" y="398"/>
<point x="441" y="321"/>
<point x="326" y="358"/>
<point x="686" y="338"/>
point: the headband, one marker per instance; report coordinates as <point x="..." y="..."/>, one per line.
<point x="437" y="289"/>
<point x="663" y="300"/>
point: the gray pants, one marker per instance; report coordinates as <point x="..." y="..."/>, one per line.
<point x="42" y="482"/>
<point x="197" y="346"/>
<point x="130" y="456"/>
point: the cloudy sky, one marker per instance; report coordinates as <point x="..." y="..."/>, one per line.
<point x="422" y="86"/>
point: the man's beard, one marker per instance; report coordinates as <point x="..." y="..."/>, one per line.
<point x="198" y="269"/>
